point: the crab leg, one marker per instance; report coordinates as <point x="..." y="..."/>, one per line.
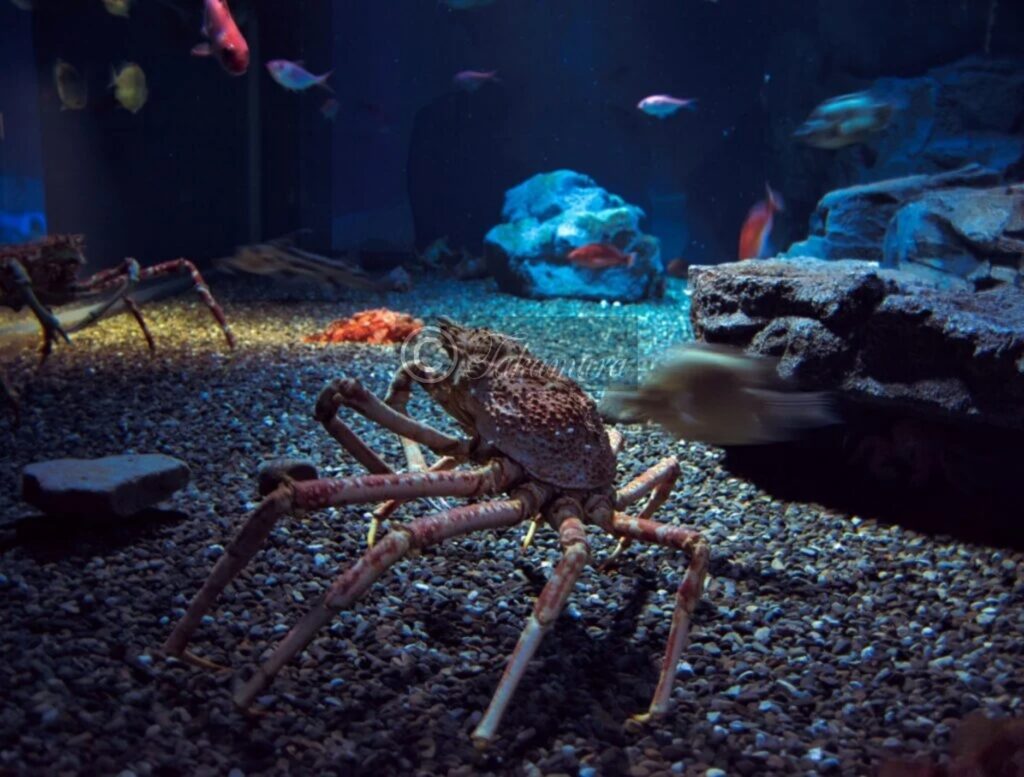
<point x="106" y="278"/>
<point x="122" y="278"/>
<point x="615" y="440"/>
<point x="398" y="399"/>
<point x="416" y="535"/>
<point x="687" y="597"/>
<point x="47" y="320"/>
<point x="317" y="494"/>
<point x="133" y="308"/>
<point x="327" y="414"/>
<point x="351" y="393"/>
<point x="659" y="479"/>
<point x="552" y="599"/>
<point x="9" y="397"/>
<point x="388" y="508"/>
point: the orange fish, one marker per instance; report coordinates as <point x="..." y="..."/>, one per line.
<point x="599" y="256"/>
<point x="758" y="226"/>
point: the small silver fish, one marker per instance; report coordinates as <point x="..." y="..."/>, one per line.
<point x="719" y="395"/>
<point x="471" y="80"/>
<point x="294" y="77"/>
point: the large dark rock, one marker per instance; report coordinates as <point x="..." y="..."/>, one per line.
<point x="548" y="216"/>
<point x="875" y="336"/>
<point x="114" y="486"/>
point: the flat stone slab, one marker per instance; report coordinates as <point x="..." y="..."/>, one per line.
<point x="114" y="486"/>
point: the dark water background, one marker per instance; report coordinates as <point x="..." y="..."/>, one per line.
<point x="212" y="161"/>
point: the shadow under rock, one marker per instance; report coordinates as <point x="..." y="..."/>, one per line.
<point x="930" y="479"/>
<point x="54" y="538"/>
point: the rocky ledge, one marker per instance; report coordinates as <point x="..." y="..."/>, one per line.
<point x="875" y="336"/>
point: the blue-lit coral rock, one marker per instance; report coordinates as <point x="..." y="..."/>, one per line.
<point x="548" y="216"/>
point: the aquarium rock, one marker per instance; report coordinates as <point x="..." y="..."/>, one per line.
<point x="954" y="227"/>
<point x="967" y="112"/>
<point x="275" y="471"/>
<point x="553" y="213"/>
<point x="877" y="336"/>
<point x="852" y="223"/>
<point x="113" y="486"/>
<point x="973" y="234"/>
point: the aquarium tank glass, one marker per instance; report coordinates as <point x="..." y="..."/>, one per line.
<point x="527" y="387"/>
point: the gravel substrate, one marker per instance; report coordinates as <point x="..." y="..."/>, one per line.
<point x="826" y="642"/>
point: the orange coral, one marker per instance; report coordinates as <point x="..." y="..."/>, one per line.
<point x="379" y="326"/>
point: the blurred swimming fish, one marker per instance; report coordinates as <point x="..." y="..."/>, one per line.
<point x="329" y="110"/>
<point x="600" y="256"/>
<point x="129" y="84"/>
<point x="758" y="226"/>
<point x="24" y="5"/>
<point x="664" y="105"/>
<point x="294" y="77"/>
<point x="845" y="120"/>
<point x="471" y="80"/>
<point x="719" y="395"/>
<point x="225" y="41"/>
<point x="71" y="87"/>
<point x="122" y="8"/>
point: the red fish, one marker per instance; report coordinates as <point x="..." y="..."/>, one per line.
<point x="599" y="256"/>
<point x="758" y="226"/>
<point x="224" y="39"/>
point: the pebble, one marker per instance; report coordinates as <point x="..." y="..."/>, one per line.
<point x="782" y="662"/>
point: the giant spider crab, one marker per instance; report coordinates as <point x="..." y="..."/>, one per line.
<point x="44" y="273"/>
<point x="533" y="436"/>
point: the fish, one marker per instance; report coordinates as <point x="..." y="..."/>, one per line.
<point x="71" y="87"/>
<point x="24" y="5"/>
<point x="329" y="110"/>
<point x="471" y="80"/>
<point x="600" y="256"/>
<point x="719" y="395"/>
<point x="678" y="268"/>
<point x="294" y="77"/>
<point x="129" y="84"/>
<point x="122" y="8"/>
<point x="758" y="226"/>
<point x="845" y="121"/>
<point x="224" y="41"/>
<point x="663" y="105"/>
